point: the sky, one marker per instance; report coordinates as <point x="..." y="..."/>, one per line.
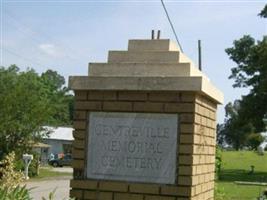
<point x="66" y="35"/>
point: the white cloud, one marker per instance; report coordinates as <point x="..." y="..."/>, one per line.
<point x="50" y="49"/>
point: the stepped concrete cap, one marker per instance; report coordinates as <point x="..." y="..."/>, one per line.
<point x="147" y="65"/>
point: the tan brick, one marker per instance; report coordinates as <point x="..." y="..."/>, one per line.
<point x="187" y="128"/>
<point x="78" y="154"/>
<point x="186" y="149"/>
<point x="185" y="180"/>
<point x="195" y="179"/>
<point x="185" y="170"/>
<point x="98" y="195"/>
<point x="113" y="186"/>
<point x="197" y="119"/>
<point x="188" y="97"/>
<point x="150" y="197"/>
<point x="144" y="188"/>
<point x="95" y="95"/>
<point x="187" y="160"/>
<point x="92" y="195"/>
<point x="187" y="118"/>
<point x="201" y="179"/>
<point x="78" y="144"/>
<point x="77" y="164"/>
<point x="187" y="139"/>
<point x="175" y="191"/>
<point x="76" y="194"/>
<point x="204" y="187"/>
<point x="102" y="95"/>
<point x="83" y="184"/>
<point x="200" y="109"/>
<point x="80" y="95"/>
<point x="117" y="106"/>
<point x="79" y="125"/>
<point x="197" y="139"/>
<point x="105" y="196"/>
<point x="148" y="107"/>
<point x="88" y="105"/>
<point x="180" y="107"/>
<point x="199" y="169"/>
<point x="164" y="97"/>
<point x="79" y="115"/>
<point x="127" y="196"/>
<point x="78" y="173"/>
<point x="197" y="189"/>
<point x="79" y="134"/>
<point x="132" y="96"/>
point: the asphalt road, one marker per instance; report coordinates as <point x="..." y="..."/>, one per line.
<point x="42" y="188"/>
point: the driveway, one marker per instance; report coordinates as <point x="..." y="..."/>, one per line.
<point x="42" y="188"/>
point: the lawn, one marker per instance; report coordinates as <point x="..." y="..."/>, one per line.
<point x="47" y="172"/>
<point x="236" y="167"/>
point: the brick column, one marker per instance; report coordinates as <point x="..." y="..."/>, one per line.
<point x="118" y="86"/>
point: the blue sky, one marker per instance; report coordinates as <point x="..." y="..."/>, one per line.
<point x="67" y="35"/>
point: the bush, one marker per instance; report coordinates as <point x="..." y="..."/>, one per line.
<point x="17" y="193"/>
<point x="254" y="140"/>
<point x="9" y="177"/>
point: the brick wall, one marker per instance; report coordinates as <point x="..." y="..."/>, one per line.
<point x="195" y="156"/>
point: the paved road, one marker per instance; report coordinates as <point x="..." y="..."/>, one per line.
<point x="42" y="188"/>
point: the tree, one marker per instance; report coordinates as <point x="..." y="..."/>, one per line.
<point x="244" y="117"/>
<point x="235" y="130"/>
<point x="60" y="96"/>
<point x="251" y="72"/>
<point x="263" y="13"/>
<point x="28" y="102"/>
<point x="24" y="108"/>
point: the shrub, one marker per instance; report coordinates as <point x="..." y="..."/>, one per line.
<point x="254" y="140"/>
<point x="9" y="177"/>
<point x="17" y="193"/>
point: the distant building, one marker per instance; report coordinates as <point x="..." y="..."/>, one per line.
<point x="59" y="141"/>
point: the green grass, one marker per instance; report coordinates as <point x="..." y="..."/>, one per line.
<point x="236" y="167"/>
<point x="48" y="173"/>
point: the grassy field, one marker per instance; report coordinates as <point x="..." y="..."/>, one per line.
<point x="47" y="172"/>
<point x="236" y="167"/>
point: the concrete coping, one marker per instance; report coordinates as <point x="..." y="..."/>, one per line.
<point x="195" y="84"/>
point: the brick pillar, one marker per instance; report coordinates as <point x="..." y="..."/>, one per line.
<point x="171" y="87"/>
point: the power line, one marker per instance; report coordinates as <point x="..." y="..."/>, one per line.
<point x="173" y="30"/>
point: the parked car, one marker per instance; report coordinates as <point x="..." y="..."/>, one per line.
<point x="61" y="161"/>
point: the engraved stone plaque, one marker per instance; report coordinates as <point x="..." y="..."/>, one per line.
<point x="137" y="147"/>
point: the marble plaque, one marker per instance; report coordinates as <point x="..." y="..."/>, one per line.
<point x="137" y="147"/>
